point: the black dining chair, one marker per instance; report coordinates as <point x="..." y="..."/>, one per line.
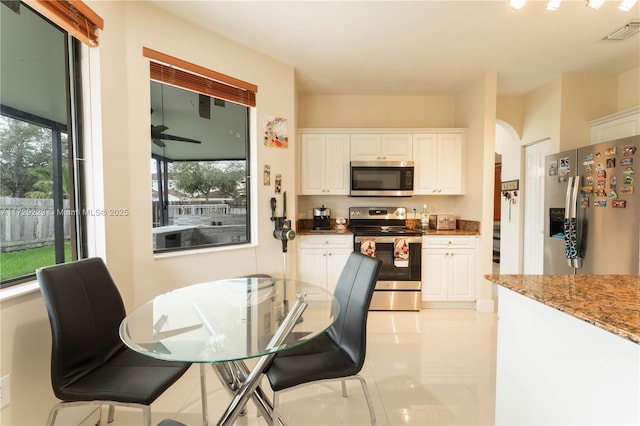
<point x="338" y="353"/>
<point x="89" y="362"/>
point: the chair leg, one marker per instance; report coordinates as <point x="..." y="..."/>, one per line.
<point x="112" y="410"/>
<point x="344" y="388"/>
<point x="275" y="413"/>
<point x="52" y="415"/>
<point x="146" y="415"/>
<point x="203" y="396"/>
<point x="365" y="389"/>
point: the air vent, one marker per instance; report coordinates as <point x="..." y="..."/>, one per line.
<point x="623" y="33"/>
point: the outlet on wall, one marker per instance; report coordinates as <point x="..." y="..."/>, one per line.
<point x="5" y="394"/>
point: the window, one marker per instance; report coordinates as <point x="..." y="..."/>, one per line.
<point x="39" y="149"/>
<point x="199" y="158"/>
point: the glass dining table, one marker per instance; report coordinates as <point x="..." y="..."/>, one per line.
<point x="224" y="323"/>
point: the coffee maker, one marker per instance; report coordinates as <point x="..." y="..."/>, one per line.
<point x="321" y="218"/>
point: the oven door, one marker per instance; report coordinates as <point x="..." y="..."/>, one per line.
<point x="398" y="272"/>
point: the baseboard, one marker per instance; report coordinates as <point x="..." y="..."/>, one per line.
<point x="485" y="306"/>
<point x="448" y="305"/>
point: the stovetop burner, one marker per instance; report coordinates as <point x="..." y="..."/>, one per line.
<point x="371" y="221"/>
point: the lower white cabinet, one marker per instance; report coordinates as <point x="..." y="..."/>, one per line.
<point x="448" y="268"/>
<point x="322" y="258"/>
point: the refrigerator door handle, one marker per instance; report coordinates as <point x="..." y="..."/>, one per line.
<point x="571" y="222"/>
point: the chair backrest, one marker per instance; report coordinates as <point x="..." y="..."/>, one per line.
<point x="354" y="290"/>
<point x="85" y="310"/>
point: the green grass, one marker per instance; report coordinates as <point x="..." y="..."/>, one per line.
<point x="25" y="262"/>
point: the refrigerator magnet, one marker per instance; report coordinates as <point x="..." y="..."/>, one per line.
<point x="601" y="193"/>
<point x="628" y="171"/>
<point x="588" y="157"/>
<point x="628" y="180"/>
<point x="588" y="179"/>
<point x="628" y="150"/>
<point x="627" y="161"/>
<point x="619" y="204"/>
<point x="584" y="202"/>
<point x="553" y="167"/>
<point x="599" y="166"/>
<point x="601" y="174"/>
<point x="610" y="151"/>
<point x="600" y="203"/>
<point x="626" y="189"/>
<point x="600" y="183"/>
<point x="586" y="189"/>
<point x="611" y="163"/>
<point x="613" y="182"/>
<point x="613" y="195"/>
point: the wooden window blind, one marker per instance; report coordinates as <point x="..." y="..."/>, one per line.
<point x="73" y="16"/>
<point x="177" y="72"/>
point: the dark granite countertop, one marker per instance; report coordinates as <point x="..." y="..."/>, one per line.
<point x="611" y="302"/>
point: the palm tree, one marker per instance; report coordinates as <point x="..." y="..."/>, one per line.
<point x="43" y="187"/>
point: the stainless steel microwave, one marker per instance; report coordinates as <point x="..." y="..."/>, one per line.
<point x="382" y="178"/>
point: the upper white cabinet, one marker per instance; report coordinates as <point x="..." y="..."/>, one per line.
<point x="615" y="126"/>
<point x="381" y="147"/>
<point x="324" y="164"/>
<point x="438" y="161"/>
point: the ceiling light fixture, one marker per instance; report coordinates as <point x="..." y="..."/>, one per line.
<point x="554" y="4"/>
<point x="626" y="5"/>
<point x="517" y="4"/>
<point x="623" y="33"/>
<point x="595" y="4"/>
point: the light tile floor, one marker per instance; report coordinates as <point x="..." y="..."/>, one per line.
<point x="434" y="367"/>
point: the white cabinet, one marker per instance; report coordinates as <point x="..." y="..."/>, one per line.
<point x="381" y="147"/>
<point x="438" y="161"/>
<point x="448" y="268"/>
<point x="324" y="164"/>
<point x="615" y="126"/>
<point x="322" y="258"/>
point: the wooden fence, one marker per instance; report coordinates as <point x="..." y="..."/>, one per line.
<point x="29" y="222"/>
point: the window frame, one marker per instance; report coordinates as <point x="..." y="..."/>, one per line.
<point x="74" y="130"/>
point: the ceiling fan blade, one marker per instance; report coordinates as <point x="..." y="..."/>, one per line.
<point x="159" y="142"/>
<point x="177" y="138"/>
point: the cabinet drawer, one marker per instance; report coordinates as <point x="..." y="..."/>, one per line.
<point x="448" y="242"/>
<point x="333" y="241"/>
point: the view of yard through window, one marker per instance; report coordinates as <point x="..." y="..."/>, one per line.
<point x="27" y="211"/>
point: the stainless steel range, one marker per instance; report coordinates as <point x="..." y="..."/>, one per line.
<point x="382" y="232"/>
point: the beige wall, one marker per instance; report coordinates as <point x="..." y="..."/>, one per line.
<point x="376" y="111"/>
<point x="476" y="110"/>
<point x="510" y="110"/>
<point x="584" y="97"/>
<point x="629" y="89"/>
<point x="124" y="104"/>
<point x="541" y="114"/>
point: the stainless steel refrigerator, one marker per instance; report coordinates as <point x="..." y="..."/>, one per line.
<point x="592" y="209"/>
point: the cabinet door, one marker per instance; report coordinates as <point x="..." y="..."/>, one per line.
<point x="336" y="259"/>
<point x="336" y="162"/>
<point x="366" y="147"/>
<point x="312" y="266"/>
<point x="397" y="147"/>
<point x="313" y="164"/>
<point x="450" y="164"/>
<point x="434" y="275"/>
<point x="461" y="280"/>
<point x="425" y="154"/>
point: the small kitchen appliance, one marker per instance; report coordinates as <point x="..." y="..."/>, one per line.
<point x="321" y="218"/>
<point x="382" y="232"/>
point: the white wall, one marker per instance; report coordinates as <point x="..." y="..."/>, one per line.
<point x="124" y="103"/>
<point x="508" y="146"/>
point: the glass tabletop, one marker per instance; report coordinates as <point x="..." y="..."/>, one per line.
<point x="226" y="320"/>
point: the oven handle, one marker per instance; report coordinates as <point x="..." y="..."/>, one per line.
<point x="389" y="239"/>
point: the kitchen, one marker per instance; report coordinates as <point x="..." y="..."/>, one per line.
<point x="558" y="108"/>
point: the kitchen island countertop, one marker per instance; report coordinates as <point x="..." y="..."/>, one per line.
<point x="610" y="302"/>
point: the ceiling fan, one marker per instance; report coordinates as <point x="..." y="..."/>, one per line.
<point x="158" y="136"/>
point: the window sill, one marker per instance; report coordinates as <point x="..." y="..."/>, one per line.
<point x="19" y="290"/>
<point x="179" y="253"/>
